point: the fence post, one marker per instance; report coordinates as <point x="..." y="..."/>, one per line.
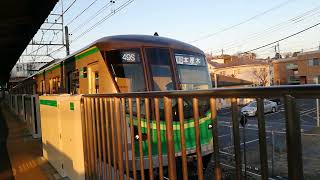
<point x="272" y="160"/>
<point x="231" y="136"/>
<point x="170" y="140"/>
<point x="84" y="136"/>
<point x="293" y="132"/>
<point x="236" y="137"/>
<point x="215" y="128"/>
<point x="262" y="139"/>
<point x="119" y="138"/>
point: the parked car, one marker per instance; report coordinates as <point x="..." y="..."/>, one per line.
<point x="251" y="108"/>
<point x="277" y="100"/>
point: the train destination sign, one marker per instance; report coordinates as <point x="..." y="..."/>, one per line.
<point x="186" y="59"/>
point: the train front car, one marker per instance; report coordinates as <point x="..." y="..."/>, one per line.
<point x="150" y="63"/>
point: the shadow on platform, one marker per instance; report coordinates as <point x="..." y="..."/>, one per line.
<point x="5" y="164"/>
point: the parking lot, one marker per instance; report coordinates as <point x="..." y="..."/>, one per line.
<point x="276" y="139"/>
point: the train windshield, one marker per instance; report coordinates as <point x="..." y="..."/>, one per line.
<point x="127" y="69"/>
<point x="192" y="70"/>
<point x="159" y="59"/>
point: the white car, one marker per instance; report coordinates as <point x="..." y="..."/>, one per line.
<point x="251" y="108"/>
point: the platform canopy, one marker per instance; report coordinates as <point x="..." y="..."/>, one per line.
<point x="19" y="22"/>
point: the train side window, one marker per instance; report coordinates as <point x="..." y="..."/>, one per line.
<point x="58" y="84"/>
<point x="96" y="76"/>
<point x="127" y="69"/>
<point x="73" y="78"/>
<point x="53" y="86"/>
<point x="50" y="86"/>
<point x="42" y="87"/>
<point x="159" y="59"/>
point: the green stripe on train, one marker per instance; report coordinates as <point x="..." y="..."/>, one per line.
<point x="77" y="57"/>
<point x="71" y="106"/>
<point x="49" y="102"/>
<point x="189" y="132"/>
<point x="86" y="53"/>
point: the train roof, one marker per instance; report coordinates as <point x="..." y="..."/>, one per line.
<point x="129" y="41"/>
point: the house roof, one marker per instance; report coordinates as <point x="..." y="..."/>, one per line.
<point x="224" y="81"/>
<point x="296" y="57"/>
<point x="240" y="62"/>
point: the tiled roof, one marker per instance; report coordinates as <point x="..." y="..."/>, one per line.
<point x="224" y="81"/>
<point x="240" y="62"/>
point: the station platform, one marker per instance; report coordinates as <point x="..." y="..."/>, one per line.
<point x="20" y="154"/>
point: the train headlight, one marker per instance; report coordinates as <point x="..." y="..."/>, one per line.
<point x="136" y="137"/>
<point x="210" y="126"/>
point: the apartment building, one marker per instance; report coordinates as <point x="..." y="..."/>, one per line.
<point x="304" y="68"/>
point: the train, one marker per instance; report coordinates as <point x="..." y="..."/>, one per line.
<point x="133" y="63"/>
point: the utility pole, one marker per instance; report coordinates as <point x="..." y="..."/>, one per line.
<point x="50" y="36"/>
<point x="276" y="52"/>
<point x="221" y="51"/>
<point x="215" y="80"/>
<point x="66" y="31"/>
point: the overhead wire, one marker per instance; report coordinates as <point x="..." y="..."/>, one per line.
<point x="84" y="10"/>
<point x="103" y="19"/>
<point x="285" y="24"/>
<point x="73" y="2"/>
<point x="287" y="37"/>
<point x="242" y="22"/>
<point x="87" y="21"/>
<point x="45" y="31"/>
<point x="91" y="18"/>
<point x="282" y="25"/>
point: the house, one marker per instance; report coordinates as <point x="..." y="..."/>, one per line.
<point x="259" y="72"/>
<point x="221" y="81"/>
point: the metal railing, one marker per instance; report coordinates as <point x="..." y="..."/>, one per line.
<point x="140" y="135"/>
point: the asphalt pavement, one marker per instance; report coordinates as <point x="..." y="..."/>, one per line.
<point x="275" y="132"/>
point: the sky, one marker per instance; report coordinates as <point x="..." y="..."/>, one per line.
<point x="232" y="25"/>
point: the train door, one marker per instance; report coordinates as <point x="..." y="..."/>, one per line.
<point x="42" y="87"/>
<point x="73" y="82"/>
<point x="50" y="86"/>
<point x="93" y="78"/>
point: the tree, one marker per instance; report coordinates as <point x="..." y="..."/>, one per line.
<point x="261" y="75"/>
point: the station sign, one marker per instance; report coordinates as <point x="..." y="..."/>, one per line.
<point x="186" y="59"/>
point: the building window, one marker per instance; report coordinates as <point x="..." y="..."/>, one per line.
<point x="316" y="79"/>
<point x="223" y="73"/>
<point x="292" y="66"/>
<point x="314" y="62"/>
<point x="19" y="68"/>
